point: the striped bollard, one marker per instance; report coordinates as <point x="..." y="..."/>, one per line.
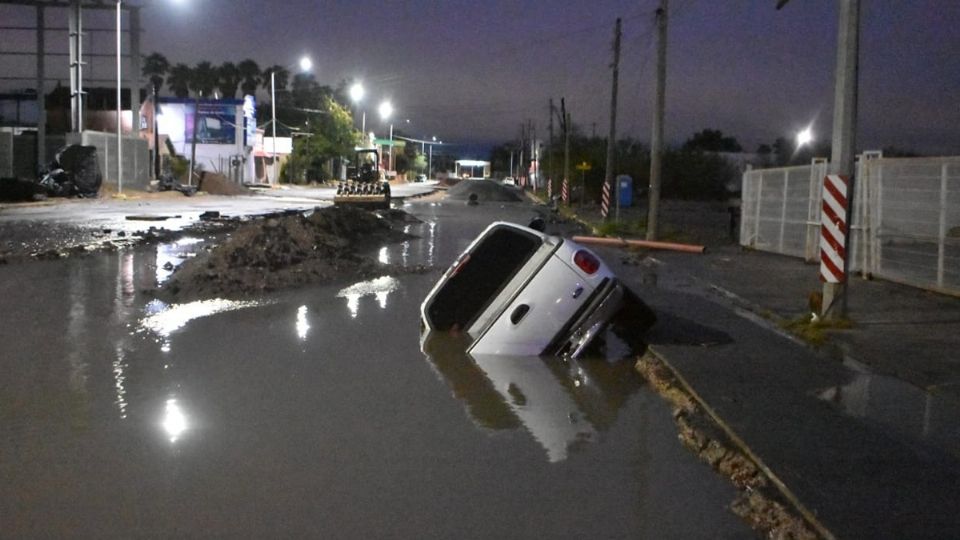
<point x="549" y="188"/>
<point x="605" y="201"/>
<point x="833" y="229"/>
<point x="565" y="191"/>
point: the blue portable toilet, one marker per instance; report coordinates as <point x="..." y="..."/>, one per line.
<point x="625" y="190"/>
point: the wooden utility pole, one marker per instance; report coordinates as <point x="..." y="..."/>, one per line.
<point x="612" y="139"/>
<point x="566" y="140"/>
<point x="656" y="140"/>
<point x="550" y="151"/>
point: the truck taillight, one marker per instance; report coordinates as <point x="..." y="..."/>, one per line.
<point x="586" y="261"/>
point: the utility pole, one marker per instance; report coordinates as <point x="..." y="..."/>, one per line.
<point x="612" y="140"/>
<point x="534" y="166"/>
<point x="566" y="140"/>
<point x="656" y="140"/>
<point x="550" y="151"/>
<point x="521" y="154"/>
<point x="842" y="158"/>
<point x="41" y="90"/>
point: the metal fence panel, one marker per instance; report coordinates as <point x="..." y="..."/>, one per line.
<point x="904" y="226"/>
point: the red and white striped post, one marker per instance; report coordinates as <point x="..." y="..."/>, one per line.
<point x="605" y="201"/>
<point x="549" y="188"/>
<point x="833" y="230"/>
<point x="565" y="191"/>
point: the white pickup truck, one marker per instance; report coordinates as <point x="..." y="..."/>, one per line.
<point x="517" y="291"/>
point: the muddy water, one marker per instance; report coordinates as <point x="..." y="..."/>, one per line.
<point x="315" y="413"/>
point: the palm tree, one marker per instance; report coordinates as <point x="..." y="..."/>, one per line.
<point x="249" y="76"/>
<point x="204" y="79"/>
<point x="155" y="67"/>
<point x="228" y="79"/>
<point x="280" y="74"/>
<point x="178" y="79"/>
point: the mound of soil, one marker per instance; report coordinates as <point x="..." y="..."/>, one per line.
<point x="218" y="184"/>
<point x="485" y="190"/>
<point x="287" y="251"/>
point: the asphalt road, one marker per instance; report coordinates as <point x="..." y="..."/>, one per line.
<point x="314" y="413"/>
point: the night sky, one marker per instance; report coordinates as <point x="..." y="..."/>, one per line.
<point x="473" y="71"/>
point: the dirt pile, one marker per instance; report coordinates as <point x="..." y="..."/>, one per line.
<point x="287" y="251"/>
<point x="218" y="184"/>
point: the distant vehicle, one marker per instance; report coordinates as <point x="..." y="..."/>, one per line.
<point x="509" y="181"/>
<point x="517" y="291"/>
<point x="421" y="178"/>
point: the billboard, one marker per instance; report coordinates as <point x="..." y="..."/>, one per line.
<point x="215" y="123"/>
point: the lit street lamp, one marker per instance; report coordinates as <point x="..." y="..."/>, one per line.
<point x="305" y="66"/>
<point x="804" y="138"/>
<point x="356" y="95"/>
<point x="386" y="109"/>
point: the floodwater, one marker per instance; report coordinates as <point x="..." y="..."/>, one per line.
<point x="316" y="413"/>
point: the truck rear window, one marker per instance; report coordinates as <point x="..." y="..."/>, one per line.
<point x="493" y="262"/>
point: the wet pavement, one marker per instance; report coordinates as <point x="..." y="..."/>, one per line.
<point x="315" y="412"/>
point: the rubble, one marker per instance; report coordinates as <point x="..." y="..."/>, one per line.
<point x="74" y="172"/>
<point x="285" y="251"/>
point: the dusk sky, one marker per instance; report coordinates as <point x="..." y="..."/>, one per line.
<point x="473" y="71"/>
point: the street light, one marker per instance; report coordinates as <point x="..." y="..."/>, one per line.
<point x="356" y="95"/>
<point x="386" y="109"/>
<point x="804" y="138"/>
<point x="305" y="66"/>
<point x="119" y="111"/>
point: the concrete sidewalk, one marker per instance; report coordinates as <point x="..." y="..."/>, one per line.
<point x="864" y="429"/>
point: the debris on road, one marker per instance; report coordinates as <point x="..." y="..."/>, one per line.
<point x="148" y="217"/>
<point x="167" y="182"/>
<point x="74" y="172"/>
<point x="286" y="251"/>
<point x="630" y="242"/>
<point x="484" y="191"/>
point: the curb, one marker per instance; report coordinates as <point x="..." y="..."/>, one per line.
<point x="742" y="446"/>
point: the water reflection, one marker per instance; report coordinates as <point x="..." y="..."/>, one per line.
<point x="174" y="421"/>
<point x="562" y="403"/>
<point x="379" y="288"/>
<point x="171" y="254"/>
<point x="902" y="407"/>
<point x="163" y="319"/>
<point x="303" y="327"/>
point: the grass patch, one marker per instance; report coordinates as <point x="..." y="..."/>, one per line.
<point x="813" y="331"/>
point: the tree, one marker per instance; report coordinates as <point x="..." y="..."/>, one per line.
<point x="280" y="75"/>
<point x="228" y="79"/>
<point x="203" y="79"/>
<point x="178" y="79"/>
<point x="712" y="140"/>
<point x="155" y="67"/>
<point x="329" y="134"/>
<point x="249" y="76"/>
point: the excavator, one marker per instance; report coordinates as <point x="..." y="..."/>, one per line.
<point x="367" y="186"/>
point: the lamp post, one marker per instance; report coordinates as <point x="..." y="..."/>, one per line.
<point x="305" y="66"/>
<point x="386" y="109"/>
<point x="119" y="111"/>
<point x="356" y="95"/>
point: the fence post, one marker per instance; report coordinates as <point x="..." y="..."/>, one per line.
<point x="783" y="208"/>
<point x="941" y="247"/>
<point x="756" y="217"/>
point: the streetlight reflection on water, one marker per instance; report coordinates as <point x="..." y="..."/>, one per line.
<point x="174" y="421"/>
